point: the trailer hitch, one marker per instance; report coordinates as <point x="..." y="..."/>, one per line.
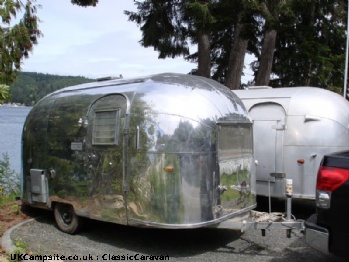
<point x="263" y="221"/>
<point x="268" y="220"/>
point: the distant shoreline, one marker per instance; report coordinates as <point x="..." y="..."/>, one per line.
<point x="12" y="105"/>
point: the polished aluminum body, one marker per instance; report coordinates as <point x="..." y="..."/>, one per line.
<point x="293" y="129"/>
<point x="169" y="150"/>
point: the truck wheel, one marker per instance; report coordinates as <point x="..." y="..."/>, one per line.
<point x="66" y="219"/>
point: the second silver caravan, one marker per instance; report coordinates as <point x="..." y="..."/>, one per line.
<point x="293" y="129"/>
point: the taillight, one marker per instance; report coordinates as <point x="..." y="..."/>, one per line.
<point x="328" y="180"/>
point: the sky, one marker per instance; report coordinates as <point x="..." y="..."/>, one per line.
<point x="95" y="42"/>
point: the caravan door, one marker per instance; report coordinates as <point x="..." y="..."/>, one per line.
<point x="104" y="157"/>
<point x="269" y="125"/>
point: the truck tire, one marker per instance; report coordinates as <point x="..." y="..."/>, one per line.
<point x="66" y="219"/>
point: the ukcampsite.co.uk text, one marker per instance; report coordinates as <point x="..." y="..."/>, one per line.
<point x="105" y="257"/>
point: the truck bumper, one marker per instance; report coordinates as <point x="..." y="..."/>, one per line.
<point x="315" y="236"/>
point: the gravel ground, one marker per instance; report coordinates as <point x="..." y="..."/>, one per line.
<point x="99" y="241"/>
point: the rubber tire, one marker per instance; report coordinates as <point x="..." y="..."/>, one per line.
<point x="66" y="219"/>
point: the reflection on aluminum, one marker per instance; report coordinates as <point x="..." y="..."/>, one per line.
<point x="194" y="125"/>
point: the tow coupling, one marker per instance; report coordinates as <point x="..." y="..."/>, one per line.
<point x="269" y="220"/>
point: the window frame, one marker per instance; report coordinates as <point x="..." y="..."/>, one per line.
<point x="115" y="124"/>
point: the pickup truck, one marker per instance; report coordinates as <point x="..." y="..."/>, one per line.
<point x="328" y="229"/>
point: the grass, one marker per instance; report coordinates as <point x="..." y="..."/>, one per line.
<point x="10" y="211"/>
<point x="20" y="249"/>
<point x="4" y="198"/>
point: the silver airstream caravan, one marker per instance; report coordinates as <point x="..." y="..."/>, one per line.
<point x="165" y="151"/>
<point x="293" y="129"/>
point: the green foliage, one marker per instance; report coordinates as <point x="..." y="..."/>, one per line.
<point x="30" y="87"/>
<point x="9" y="180"/>
<point x="200" y="11"/>
<point x="20" y="249"/>
<point x="16" y="41"/>
<point x="163" y="26"/>
<point x="4" y="92"/>
<point x="85" y="3"/>
<point x="310" y="40"/>
<point x="311" y="45"/>
<point x="15" y="209"/>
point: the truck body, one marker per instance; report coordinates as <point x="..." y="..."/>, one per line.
<point x="293" y="129"/>
<point x="164" y="151"/>
<point x="328" y="229"/>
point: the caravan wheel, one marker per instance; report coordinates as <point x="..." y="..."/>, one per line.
<point x="66" y="219"/>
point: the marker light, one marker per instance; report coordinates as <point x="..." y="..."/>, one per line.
<point x="169" y="168"/>
<point x="300" y="161"/>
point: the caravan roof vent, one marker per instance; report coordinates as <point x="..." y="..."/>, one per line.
<point x="259" y="87"/>
<point x="106" y="78"/>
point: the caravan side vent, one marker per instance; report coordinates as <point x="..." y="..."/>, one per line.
<point x="38" y="182"/>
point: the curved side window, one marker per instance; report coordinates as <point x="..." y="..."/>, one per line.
<point x="105" y="127"/>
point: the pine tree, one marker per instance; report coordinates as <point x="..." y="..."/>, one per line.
<point x="170" y="26"/>
<point x="311" y="46"/>
<point x="298" y="42"/>
<point x="85" y="3"/>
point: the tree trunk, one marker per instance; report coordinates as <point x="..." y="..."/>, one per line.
<point x="204" y="54"/>
<point x="236" y="59"/>
<point x="308" y="73"/>
<point x="266" y="60"/>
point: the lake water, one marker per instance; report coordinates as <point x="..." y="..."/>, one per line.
<point x="11" y="125"/>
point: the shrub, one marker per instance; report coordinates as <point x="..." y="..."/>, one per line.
<point x="9" y="180"/>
